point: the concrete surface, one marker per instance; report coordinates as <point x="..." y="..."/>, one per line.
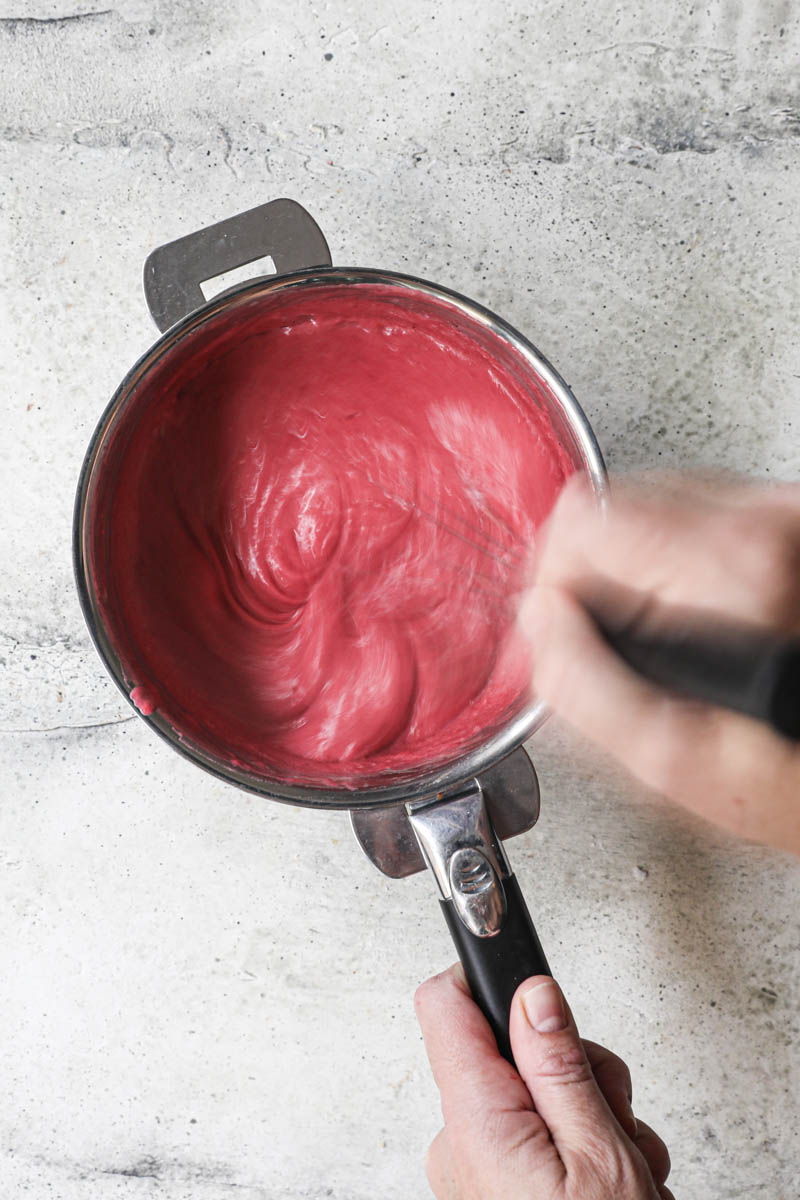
<point x="206" y="996"/>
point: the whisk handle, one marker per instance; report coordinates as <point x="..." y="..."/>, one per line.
<point x="742" y="669"/>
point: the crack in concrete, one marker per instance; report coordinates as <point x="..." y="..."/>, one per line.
<point x="720" y="54"/>
<point x="173" y="1171"/>
<point x="166" y="1171"/>
<point x="146" y="1168"/>
<point x="779" y="125"/>
<point x="16" y="25"/>
<point x="62" y="728"/>
<point x="226" y="156"/>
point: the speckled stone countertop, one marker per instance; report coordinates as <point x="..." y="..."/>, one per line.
<point x="207" y="996"/>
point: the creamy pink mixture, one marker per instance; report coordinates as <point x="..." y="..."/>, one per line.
<point x="319" y="534"/>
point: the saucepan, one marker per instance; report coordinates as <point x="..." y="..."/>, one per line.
<point x="450" y="814"/>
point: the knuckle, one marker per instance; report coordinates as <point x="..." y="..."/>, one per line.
<point x="611" y="1072"/>
<point x="434" y="1160"/>
<point x="655" y="1152"/>
<point x="432" y="1172"/>
<point x="504" y="1133"/>
<point x="664" y="1162"/>
<point x="611" y="1169"/>
<point x="430" y="994"/>
<point x="625" y="1079"/>
<point x="619" y="1073"/>
<point x="776" y="555"/>
<point x="566" y="1063"/>
<point x="658" y="767"/>
<point x="660" y="759"/>
<point x="431" y="1162"/>
<point x="421" y="996"/>
<point x="573" y="502"/>
<point x="424" y="995"/>
<point x="774" y="549"/>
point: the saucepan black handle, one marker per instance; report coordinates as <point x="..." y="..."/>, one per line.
<point x="481" y="900"/>
<point x="496" y="966"/>
<point x="739" y="668"/>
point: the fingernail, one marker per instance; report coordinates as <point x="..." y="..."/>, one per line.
<point x="544" y="1007"/>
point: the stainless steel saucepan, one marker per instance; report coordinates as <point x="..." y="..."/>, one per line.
<point x="452" y="816"/>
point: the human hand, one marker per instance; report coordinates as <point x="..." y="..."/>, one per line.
<point x="731" y="551"/>
<point x="560" y="1127"/>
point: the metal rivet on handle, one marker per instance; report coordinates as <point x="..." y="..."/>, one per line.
<point x="477" y="891"/>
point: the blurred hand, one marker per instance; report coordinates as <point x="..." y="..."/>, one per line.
<point x="560" y="1127"/>
<point x="726" y="549"/>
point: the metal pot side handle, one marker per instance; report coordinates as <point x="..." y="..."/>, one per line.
<point x="281" y="229"/>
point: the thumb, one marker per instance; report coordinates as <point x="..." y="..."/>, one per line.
<point x="493" y="1132"/>
<point x="552" y="1062"/>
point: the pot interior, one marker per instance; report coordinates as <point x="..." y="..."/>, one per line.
<point x="304" y="525"/>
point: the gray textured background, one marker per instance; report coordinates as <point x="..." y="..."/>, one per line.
<point x="204" y="996"/>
